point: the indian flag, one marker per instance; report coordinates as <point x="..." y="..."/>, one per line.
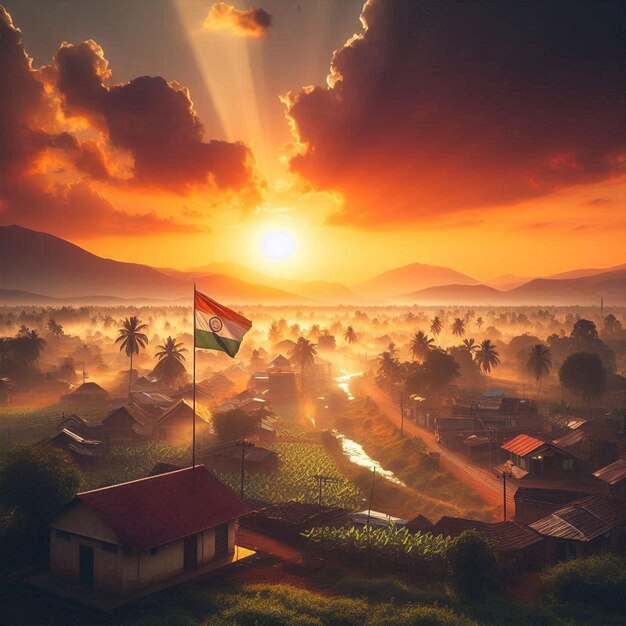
<point x="217" y="327"/>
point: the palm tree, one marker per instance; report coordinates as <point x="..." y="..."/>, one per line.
<point x="303" y="355"/>
<point x="436" y="326"/>
<point x="350" y="335"/>
<point x="458" y="327"/>
<point x="539" y="362"/>
<point x="486" y="356"/>
<point x="421" y="345"/>
<point x="170" y="369"/>
<point x="54" y="328"/>
<point x="479" y="322"/>
<point x="470" y="345"/>
<point x="132" y="339"/>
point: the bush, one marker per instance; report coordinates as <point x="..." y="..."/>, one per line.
<point x="472" y="561"/>
<point x="412" y="615"/>
<point x="234" y="424"/>
<point x="598" y="582"/>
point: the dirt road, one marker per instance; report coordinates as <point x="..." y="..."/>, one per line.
<point x="483" y="482"/>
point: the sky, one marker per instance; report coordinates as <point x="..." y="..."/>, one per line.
<point x="319" y="140"/>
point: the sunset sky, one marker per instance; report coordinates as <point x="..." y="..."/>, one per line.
<point x="319" y="140"/>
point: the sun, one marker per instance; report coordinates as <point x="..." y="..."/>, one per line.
<point x="278" y="244"/>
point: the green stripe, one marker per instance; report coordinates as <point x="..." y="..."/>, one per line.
<point x="210" y="341"/>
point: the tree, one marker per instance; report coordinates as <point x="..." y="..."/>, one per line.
<point x="234" y="424"/>
<point x="38" y="481"/>
<point x="583" y="373"/>
<point x="472" y="561"/>
<point x="388" y="367"/>
<point x="612" y="324"/>
<point x="170" y="369"/>
<point x="421" y="345"/>
<point x="54" y="328"/>
<point x="131" y="339"/>
<point x="458" y="327"/>
<point x="487" y="356"/>
<point x="350" y="335"/>
<point x="303" y="355"/>
<point x="539" y="362"/>
<point x="470" y="345"/>
<point x="436" y="372"/>
<point x="436" y="326"/>
<point x="479" y="322"/>
<point x="584" y="331"/>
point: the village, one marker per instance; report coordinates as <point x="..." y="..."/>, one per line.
<point x="291" y="458"/>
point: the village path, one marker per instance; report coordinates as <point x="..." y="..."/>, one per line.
<point x="256" y="541"/>
<point x="480" y="480"/>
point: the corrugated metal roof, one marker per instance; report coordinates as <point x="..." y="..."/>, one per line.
<point x="523" y="445"/>
<point x="613" y="473"/>
<point x="584" y="519"/>
<point x="160" y="509"/>
<point x="508" y="536"/>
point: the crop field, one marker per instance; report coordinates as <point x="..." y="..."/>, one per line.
<point x="294" y="480"/>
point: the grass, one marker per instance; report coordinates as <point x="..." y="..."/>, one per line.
<point x="438" y="492"/>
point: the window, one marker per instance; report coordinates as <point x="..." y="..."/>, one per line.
<point x="63" y="534"/>
<point x="153" y="551"/>
<point x="109" y="547"/>
<point x="568" y="464"/>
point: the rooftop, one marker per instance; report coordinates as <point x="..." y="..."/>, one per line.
<point x="523" y="445"/>
<point x="613" y="473"/>
<point x="160" y="509"/>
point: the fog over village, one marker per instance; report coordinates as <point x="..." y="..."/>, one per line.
<point x="312" y="313"/>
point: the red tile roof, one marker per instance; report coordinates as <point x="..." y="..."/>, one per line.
<point x="160" y="509"/>
<point x="523" y="445"/>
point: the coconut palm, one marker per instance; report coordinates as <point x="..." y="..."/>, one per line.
<point x="436" y="326"/>
<point x="350" y="335"/>
<point x="470" y="345"/>
<point x="170" y="369"/>
<point x="131" y="340"/>
<point x="303" y="355"/>
<point x="421" y="345"/>
<point x="539" y="362"/>
<point x="458" y="327"/>
<point x="487" y="356"/>
<point x="54" y="328"/>
<point x="479" y="322"/>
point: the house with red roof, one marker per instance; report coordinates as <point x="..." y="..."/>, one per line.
<point x="136" y="534"/>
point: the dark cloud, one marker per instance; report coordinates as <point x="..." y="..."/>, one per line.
<point x="154" y="120"/>
<point x="252" y="22"/>
<point x="445" y="106"/>
<point x="149" y="119"/>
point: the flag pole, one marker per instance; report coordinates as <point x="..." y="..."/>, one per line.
<point x="193" y="424"/>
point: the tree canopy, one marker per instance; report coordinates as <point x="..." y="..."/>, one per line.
<point x="584" y="374"/>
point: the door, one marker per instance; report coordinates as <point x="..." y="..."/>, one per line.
<point x="191" y="552"/>
<point x="85" y="558"/>
<point x="221" y="541"/>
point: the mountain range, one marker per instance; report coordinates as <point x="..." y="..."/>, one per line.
<point x="39" y="268"/>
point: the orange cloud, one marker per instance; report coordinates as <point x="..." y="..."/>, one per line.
<point x="440" y="107"/>
<point x="252" y="22"/>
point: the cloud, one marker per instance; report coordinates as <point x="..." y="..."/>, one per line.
<point x="252" y="22"/>
<point x="440" y="107"/>
<point x="141" y="134"/>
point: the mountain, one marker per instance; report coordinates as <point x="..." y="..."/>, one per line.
<point x="43" y="264"/>
<point x="410" y="278"/>
<point x="507" y="281"/>
<point x="584" y="291"/>
<point x="583" y="273"/>
<point x="453" y="295"/>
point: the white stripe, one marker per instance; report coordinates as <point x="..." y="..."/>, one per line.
<point x="230" y="329"/>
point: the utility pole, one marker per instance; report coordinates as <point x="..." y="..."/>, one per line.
<point x="602" y="306"/>
<point x="401" y="413"/>
<point x="321" y="479"/>
<point x="244" y="444"/>
<point x="369" y="505"/>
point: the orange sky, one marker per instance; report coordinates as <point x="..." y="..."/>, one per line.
<point x="363" y="175"/>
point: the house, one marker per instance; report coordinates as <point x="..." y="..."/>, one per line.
<point x="85" y="452"/>
<point x="614" y="476"/>
<point x="536" y="458"/>
<point x="128" y="536"/>
<point x="228" y="459"/>
<point x="127" y="424"/>
<point x="280" y="364"/>
<point x="533" y="503"/>
<point x="586" y="526"/>
<point x="87" y="393"/>
<point x="76" y="424"/>
<point x="377" y="519"/>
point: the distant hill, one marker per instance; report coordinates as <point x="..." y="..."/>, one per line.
<point x="409" y="279"/>
<point x="541" y="291"/>
<point x="584" y="291"/>
<point x="453" y="295"/>
<point x="508" y="281"/>
<point x="39" y="263"/>
<point x="583" y="273"/>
